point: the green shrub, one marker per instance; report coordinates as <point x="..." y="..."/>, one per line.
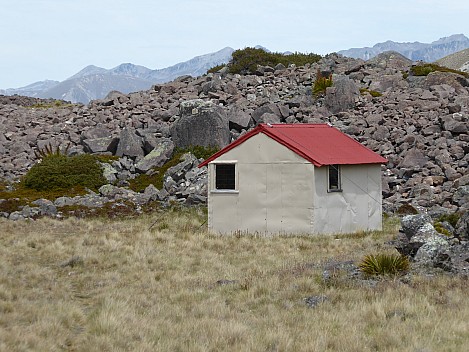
<point x="441" y="229"/>
<point x="199" y="151"/>
<point x="245" y="61"/>
<point x="321" y="83"/>
<point x="384" y="264"/>
<point x="452" y="218"/>
<point x="61" y="172"/>
<point x="373" y="93"/>
<point x="51" y="104"/>
<point x="426" y="68"/>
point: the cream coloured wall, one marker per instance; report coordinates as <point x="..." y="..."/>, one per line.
<point x="356" y="208"/>
<point x="270" y="178"/>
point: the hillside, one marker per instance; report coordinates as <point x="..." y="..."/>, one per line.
<point x="456" y="61"/>
<point x="419" y="123"/>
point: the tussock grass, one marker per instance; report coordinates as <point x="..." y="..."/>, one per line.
<point x="153" y="284"/>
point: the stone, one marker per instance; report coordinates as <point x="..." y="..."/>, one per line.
<point x="109" y="191"/>
<point x="96" y="133"/>
<point x="100" y="145"/>
<point x="314" y="301"/>
<point x="30" y="212"/>
<point x="46" y="207"/>
<point x="454" y="126"/>
<point x="154" y="194"/>
<point x="461" y="195"/>
<point x="432" y="245"/>
<point x="238" y="119"/>
<point x="16" y="215"/>
<point x="341" y="96"/>
<point x="410" y="224"/>
<point x="157" y="157"/>
<point x="178" y="172"/>
<point x="109" y="172"/>
<point x="269" y="118"/>
<point x="414" y="158"/>
<point x="268" y="108"/>
<point x="462" y="226"/>
<point x="63" y="201"/>
<point x="130" y="144"/>
<point x="200" y="124"/>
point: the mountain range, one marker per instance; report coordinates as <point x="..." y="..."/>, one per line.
<point x="415" y="51"/>
<point x="94" y="82"/>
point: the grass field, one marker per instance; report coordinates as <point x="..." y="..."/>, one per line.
<point x="125" y="285"/>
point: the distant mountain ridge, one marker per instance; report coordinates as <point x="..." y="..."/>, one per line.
<point x="414" y="51"/>
<point x="95" y="82"/>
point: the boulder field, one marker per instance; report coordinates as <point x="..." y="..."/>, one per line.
<point x="418" y="123"/>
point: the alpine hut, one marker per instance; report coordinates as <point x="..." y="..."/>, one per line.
<point x="294" y="178"/>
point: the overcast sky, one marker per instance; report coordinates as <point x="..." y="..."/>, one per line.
<point x="54" y="39"/>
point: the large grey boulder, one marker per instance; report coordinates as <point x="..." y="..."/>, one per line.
<point x="462" y="226"/>
<point x="390" y="60"/>
<point x="427" y="254"/>
<point x="157" y="157"/>
<point x="271" y="109"/>
<point x="414" y="158"/>
<point x="429" y="249"/>
<point x="200" y="123"/>
<point x="238" y="118"/>
<point x="341" y="96"/>
<point x="47" y="207"/>
<point x="130" y="144"/>
<point x="100" y="145"/>
<point x="96" y="132"/>
<point x="411" y="224"/>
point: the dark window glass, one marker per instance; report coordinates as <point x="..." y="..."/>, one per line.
<point x="334" y="178"/>
<point x="225" y="176"/>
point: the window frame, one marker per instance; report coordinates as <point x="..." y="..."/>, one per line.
<point x="213" y="187"/>
<point x="329" y="179"/>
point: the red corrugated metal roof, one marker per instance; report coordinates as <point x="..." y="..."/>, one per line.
<point x="321" y="144"/>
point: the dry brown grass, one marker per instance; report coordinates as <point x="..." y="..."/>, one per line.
<point x="102" y="285"/>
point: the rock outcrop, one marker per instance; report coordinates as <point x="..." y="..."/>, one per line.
<point x="429" y="249"/>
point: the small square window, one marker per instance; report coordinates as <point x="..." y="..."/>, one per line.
<point x="334" y="178"/>
<point x="225" y="176"/>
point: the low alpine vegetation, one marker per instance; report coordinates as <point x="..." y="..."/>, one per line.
<point x="57" y="171"/>
<point x="427" y="68"/>
<point x="245" y="61"/>
<point x="321" y="83"/>
<point x="384" y="264"/>
<point x="373" y="93"/>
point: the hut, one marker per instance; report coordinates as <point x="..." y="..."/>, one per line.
<point x="294" y="178"/>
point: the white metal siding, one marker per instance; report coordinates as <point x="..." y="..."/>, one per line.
<point x="357" y="207"/>
<point x="271" y="179"/>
